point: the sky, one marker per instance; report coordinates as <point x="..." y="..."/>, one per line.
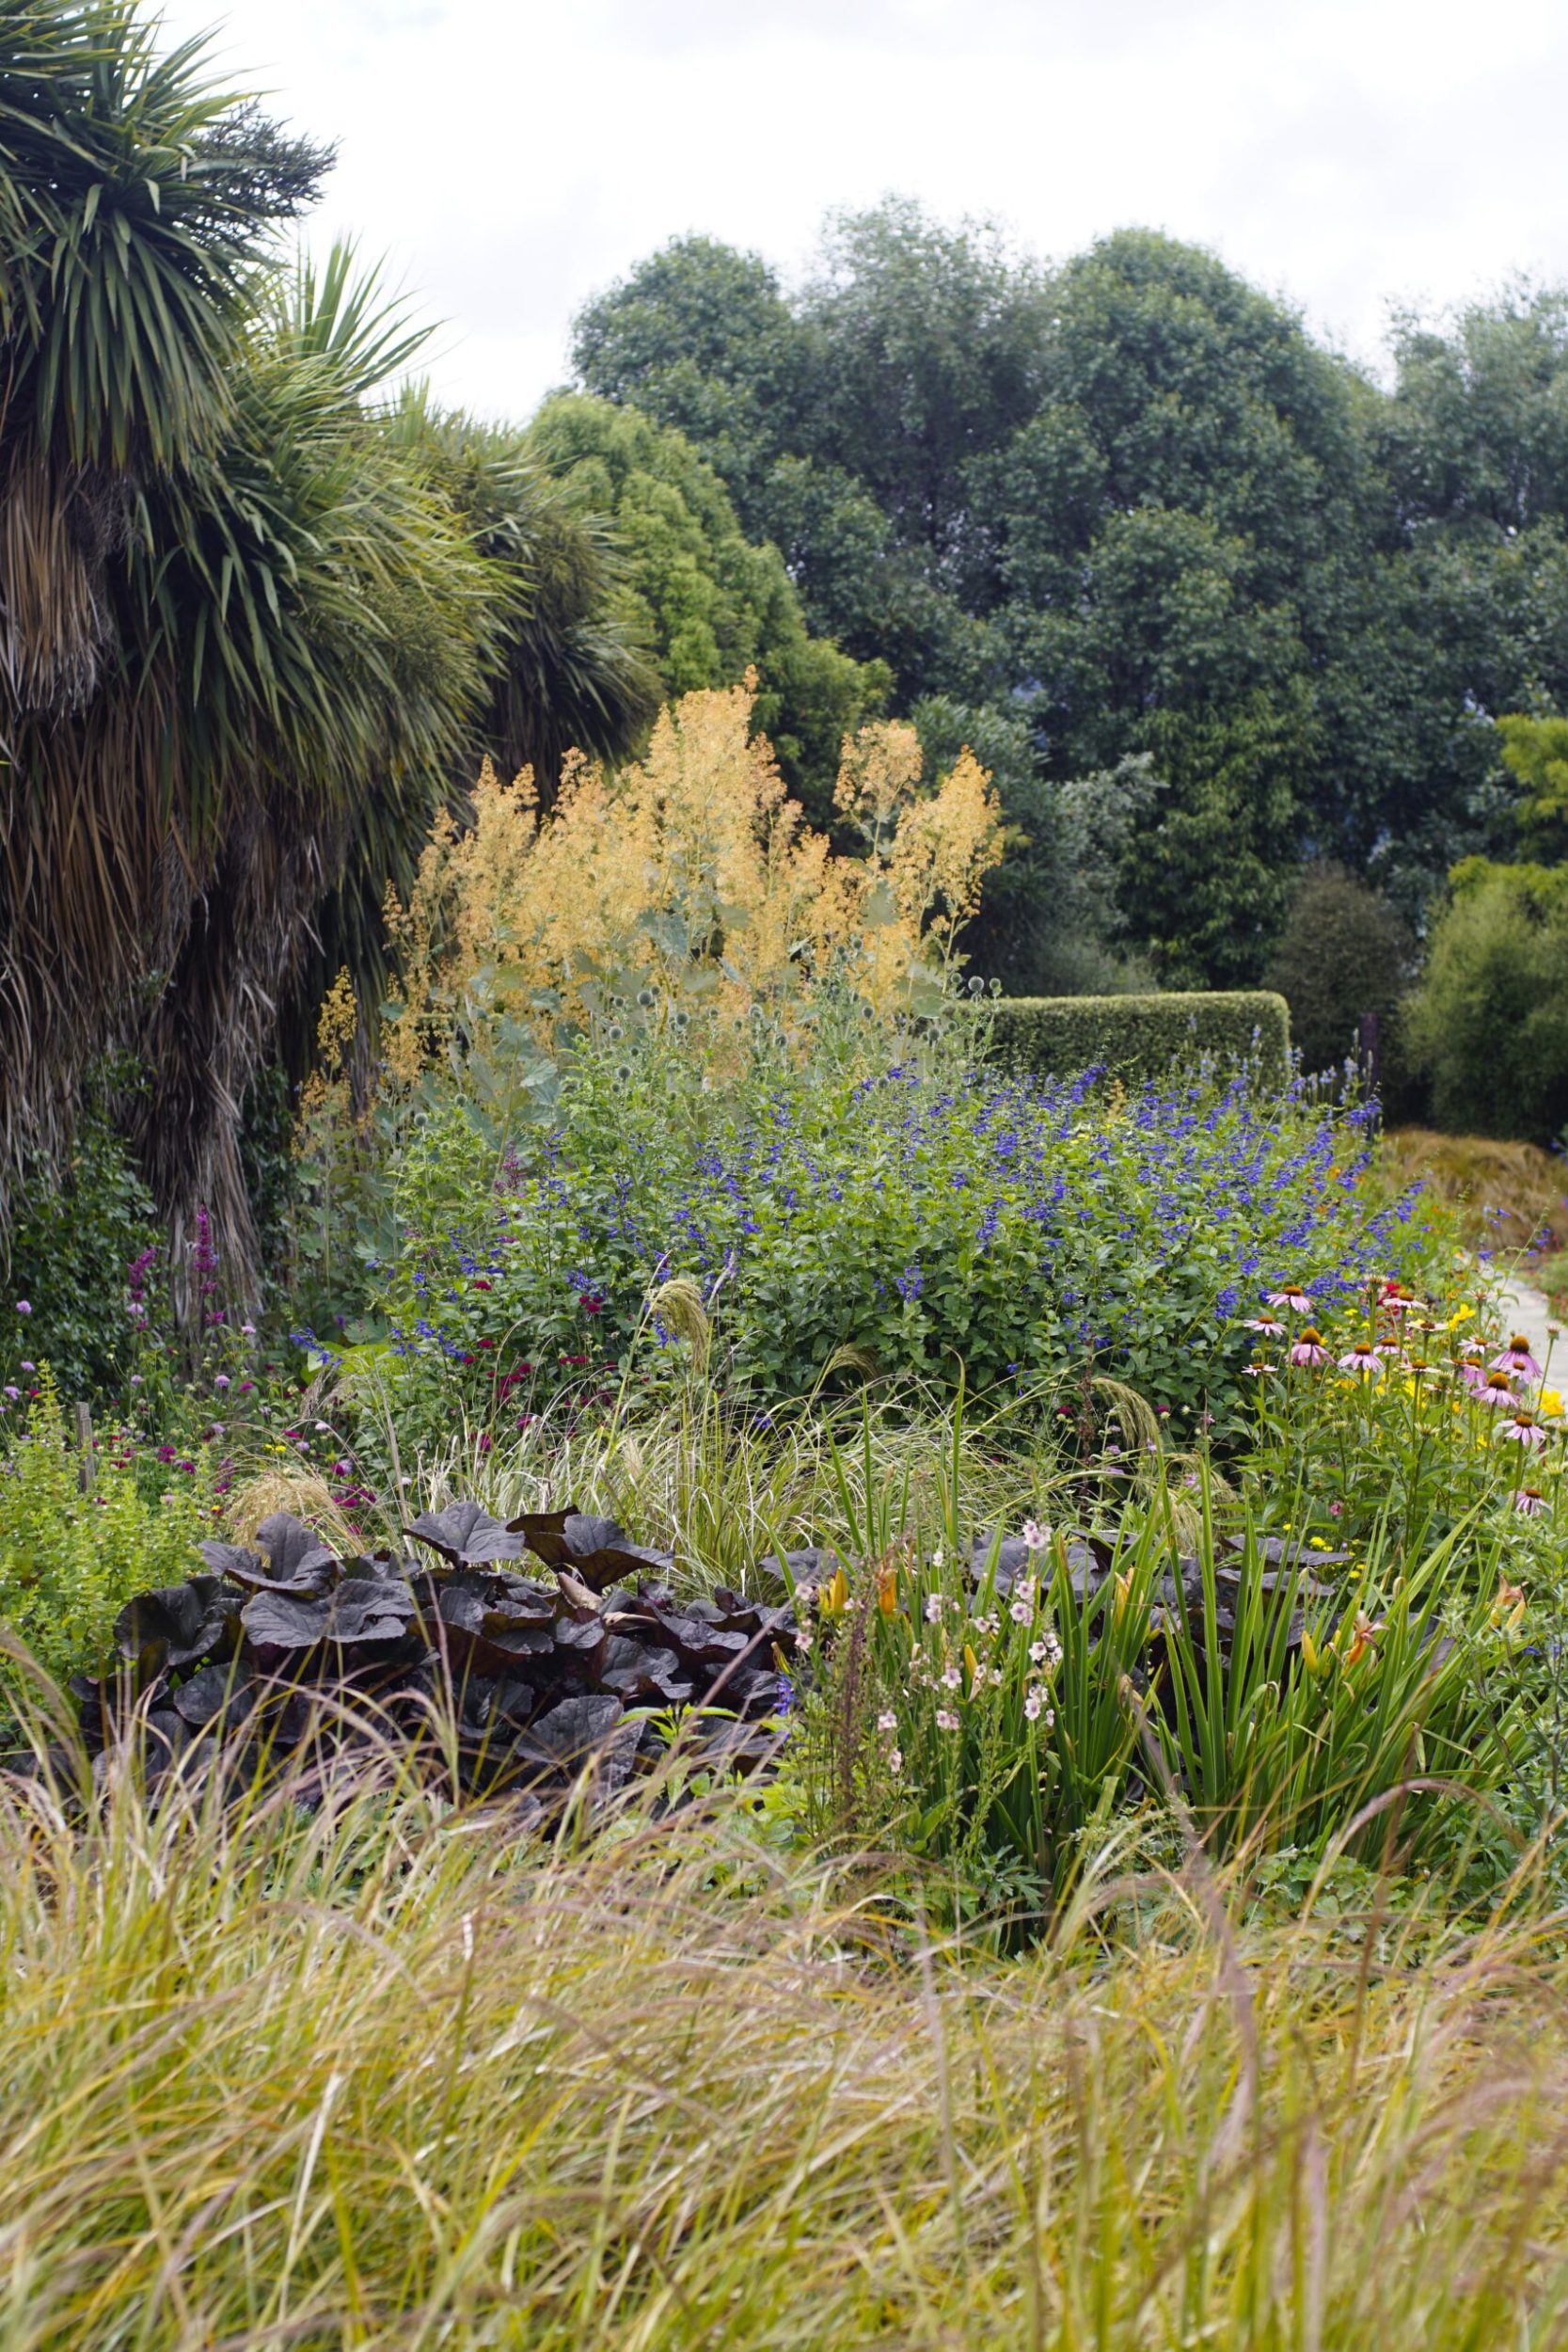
<point x="510" y="158"/>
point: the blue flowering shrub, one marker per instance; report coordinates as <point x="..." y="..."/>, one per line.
<point x="1021" y="1229"/>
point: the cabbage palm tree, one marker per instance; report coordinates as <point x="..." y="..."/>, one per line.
<point x="245" y="633"/>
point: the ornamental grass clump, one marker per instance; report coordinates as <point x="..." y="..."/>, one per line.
<point x="369" y="2075"/>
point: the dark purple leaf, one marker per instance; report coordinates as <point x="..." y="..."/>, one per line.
<point x="468" y="1535"/>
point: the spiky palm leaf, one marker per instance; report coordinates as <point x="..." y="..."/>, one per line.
<point x="248" y="629"/>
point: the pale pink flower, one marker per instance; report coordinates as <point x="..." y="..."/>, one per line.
<point x="1296" y="1300"/>
<point x="1530" y="1501"/>
<point x="887" y="1720"/>
<point x="1021" y="1613"/>
<point x="1524" y="1429"/>
<point x="1033" y="1705"/>
<point x="1363" y="1359"/>
<point x="1269" y="1325"/>
<point x="1035" y="1536"/>
<point x="946" y="1720"/>
<point x="1517" y="1358"/>
<point x="952" y="1676"/>
<point x="895" y="1760"/>
<point x="1309" y="1348"/>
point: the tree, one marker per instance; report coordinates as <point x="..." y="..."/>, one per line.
<point x="1489" y="1023"/>
<point x="1130" y="507"/>
<point x="1343" y="952"/>
<point x="708" y="604"/>
<point x="245" y="635"/>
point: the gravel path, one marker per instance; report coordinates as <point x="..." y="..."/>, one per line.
<point x="1528" y="1311"/>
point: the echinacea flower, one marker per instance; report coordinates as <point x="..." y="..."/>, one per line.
<point x="1517" y="1358"/>
<point x="1363" y="1359"/>
<point x="1529" y="1501"/>
<point x="1523" y="1428"/>
<point x="1291" y="1297"/>
<point x="1255" y="1371"/>
<point x="1396" y="1300"/>
<point x="1472" y="1368"/>
<point x="1496" y="1389"/>
<point x="1269" y="1327"/>
<point x="1309" y="1347"/>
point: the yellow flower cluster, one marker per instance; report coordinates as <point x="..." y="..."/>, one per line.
<point x="692" y="870"/>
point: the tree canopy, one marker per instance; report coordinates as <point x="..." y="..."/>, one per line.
<point x="1129" y="507"/>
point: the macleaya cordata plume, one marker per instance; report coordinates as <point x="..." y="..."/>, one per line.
<point x="692" y="871"/>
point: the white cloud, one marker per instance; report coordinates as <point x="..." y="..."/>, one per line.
<point x="512" y="157"/>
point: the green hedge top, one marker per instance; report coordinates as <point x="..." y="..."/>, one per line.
<point x="1138" y="1038"/>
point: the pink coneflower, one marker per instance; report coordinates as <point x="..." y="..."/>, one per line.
<point x="1517" y="1358"/>
<point x="1363" y="1359"/>
<point x="1255" y="1371"/>
<point x="1496" y="1389"/>
<point x="1472" y="1368"/>
<point x="1268" y="1326"/>
<point x="1523" y="1428"/>
<point x="1296" y="1301"/>
<point x="1530" y="1501"/>
<point x="1309" y="1348"/>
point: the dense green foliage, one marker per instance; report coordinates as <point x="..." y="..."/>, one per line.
<point x="707" y="604"/>
<point x="1343" y="952"/>
<point x="1488" y="1027"/>
<point x="934" y="1225"/>
<point x="1137" y="1039"/>
<point x="74" y="1242"/>
<point x="1129" y="506"/>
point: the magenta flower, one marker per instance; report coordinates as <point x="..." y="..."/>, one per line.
<point x="1529" y="1501"/>
<point x="1524" y="1429"/>
<point x="1291" y="1297"/>
<point x="24" y="1306"/>
<point x="1472" y="1368"/>
<point x="1496" y="1389"/>
<point x="1309" y="1348"/>
<point x="1517" y="1358"/>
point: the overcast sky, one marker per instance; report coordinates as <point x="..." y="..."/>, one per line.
<point x="510" y="157"/>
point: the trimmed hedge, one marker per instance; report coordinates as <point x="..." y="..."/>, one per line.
<point x="1138" y="1038"/>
